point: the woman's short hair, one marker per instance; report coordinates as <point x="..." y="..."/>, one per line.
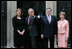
<point x="62" y="13"/>
<point x="20" y="10"/>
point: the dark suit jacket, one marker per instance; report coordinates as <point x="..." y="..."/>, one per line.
<point x="32" y="26"/>
<point x="48" y="29"/>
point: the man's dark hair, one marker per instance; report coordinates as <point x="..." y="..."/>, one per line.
<point x="49" y="8"/>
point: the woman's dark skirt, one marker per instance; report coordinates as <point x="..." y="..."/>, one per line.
<point x="19" y="40"/>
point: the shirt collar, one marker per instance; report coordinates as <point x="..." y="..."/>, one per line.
<point x="49" y="15"/>
<point x="29" y="16"/>
<point x="34" y="16"/>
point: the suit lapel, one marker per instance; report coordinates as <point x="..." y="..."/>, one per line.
<point x="31" y="20"/>
<point x="27" y="20"/>
<point x="46" y="19"/>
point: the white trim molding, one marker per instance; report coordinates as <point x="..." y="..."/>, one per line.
<point x="11" y="9"/>
<point x="53" y="6"/>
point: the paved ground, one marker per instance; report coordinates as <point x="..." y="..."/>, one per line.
<point x="55" y="44"/>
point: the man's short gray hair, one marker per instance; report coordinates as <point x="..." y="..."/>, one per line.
<point x="30" y="9"/>
<point x="49" y="8"/>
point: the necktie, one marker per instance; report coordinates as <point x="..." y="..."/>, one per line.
<point x="29" y="20"/>
<point x="49" y="19"/>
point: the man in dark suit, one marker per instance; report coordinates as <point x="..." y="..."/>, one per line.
<point x="48" y="28"/>
<point x="30" y="23"/>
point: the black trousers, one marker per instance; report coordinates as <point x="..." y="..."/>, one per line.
<point x="46" y="42"/>
<point x="33" y="41"/>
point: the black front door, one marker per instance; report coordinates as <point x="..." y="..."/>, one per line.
<point x="38" y="6"/>
<point x="3" y="24"/>
<point x="39" y="9"/>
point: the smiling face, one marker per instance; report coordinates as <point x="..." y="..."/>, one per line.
<point x="62" y="15"/>
<point x="48" y="11"/>
<point x="30" y="12"/>
<point x="18" y="12"/>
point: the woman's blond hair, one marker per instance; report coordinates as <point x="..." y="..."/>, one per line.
<point x="20" y="10"/>
<point x="62" y="13"/>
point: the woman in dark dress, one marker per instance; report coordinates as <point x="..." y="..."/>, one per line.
<point x="19" y="29"/>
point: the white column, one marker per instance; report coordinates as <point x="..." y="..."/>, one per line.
<point x="8" y="23"/>
<point x="55" y="8"/>
<point x="11" y="11"/>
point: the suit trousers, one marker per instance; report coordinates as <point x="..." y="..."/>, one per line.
<point x="46" y="42"/>
<point x="33" y="41"/>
